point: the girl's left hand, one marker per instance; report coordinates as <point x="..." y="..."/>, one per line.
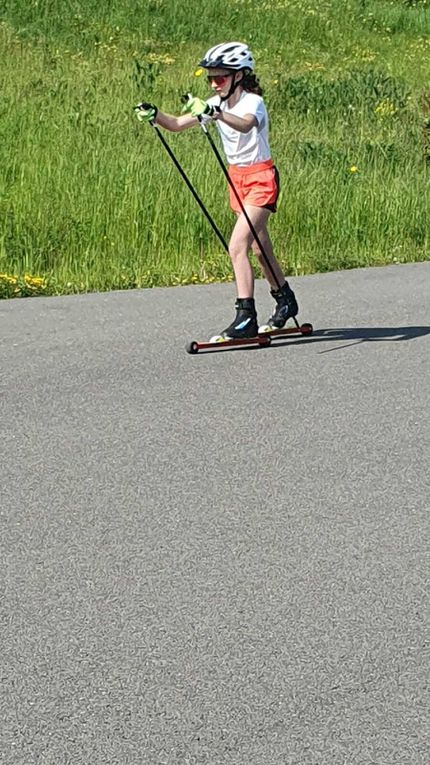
<point x="197" y="107"/>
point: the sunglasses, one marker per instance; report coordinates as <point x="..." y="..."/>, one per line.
<point x="218" y="79"/>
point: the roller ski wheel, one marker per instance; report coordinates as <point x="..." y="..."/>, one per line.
<point x="306" y="328"/>
<point x="192" y="347"/>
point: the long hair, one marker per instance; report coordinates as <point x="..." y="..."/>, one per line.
<point x="251" y="84"/>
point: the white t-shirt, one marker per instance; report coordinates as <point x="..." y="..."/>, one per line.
<point x="244" y="148"/>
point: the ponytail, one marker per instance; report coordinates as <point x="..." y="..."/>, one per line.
<point x="251" y="84"/>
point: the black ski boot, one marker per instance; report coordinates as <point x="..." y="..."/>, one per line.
<point x="245" y="323"/>
<point x="286" y="308"/>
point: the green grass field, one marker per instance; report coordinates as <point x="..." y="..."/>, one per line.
<point x="89" y="200"/>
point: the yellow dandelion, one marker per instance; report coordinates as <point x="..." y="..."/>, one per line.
<point x="36" y="281"/>
<point x="159" y="58"/>
<point x="353" y="169"/>
<point x="385" y="108"/>
<point x="8" y="279"/>
<point x="198" y="72"/>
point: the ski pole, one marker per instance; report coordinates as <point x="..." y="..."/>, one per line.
<point x="189" y="184"/>
<point x="242" y="207"/>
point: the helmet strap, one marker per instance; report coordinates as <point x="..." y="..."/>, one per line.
<point x="232" y="88"/>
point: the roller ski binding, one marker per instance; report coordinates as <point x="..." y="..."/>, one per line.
<point x="286" y="308"/>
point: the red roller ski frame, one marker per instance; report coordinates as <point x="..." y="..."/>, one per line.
<point x="263" y="340"/>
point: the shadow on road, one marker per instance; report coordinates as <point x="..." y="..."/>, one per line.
<point x="356" y="335"/>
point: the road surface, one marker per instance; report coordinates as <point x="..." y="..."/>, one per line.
<point x="222" y="558"/>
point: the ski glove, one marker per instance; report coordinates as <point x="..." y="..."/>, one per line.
<point x="145" y="112"/>
<point x="199" y="108"/>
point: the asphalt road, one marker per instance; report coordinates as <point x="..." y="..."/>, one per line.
<point x="221" y="558"/>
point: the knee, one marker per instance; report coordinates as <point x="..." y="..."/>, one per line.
<point x="237" y="250"/>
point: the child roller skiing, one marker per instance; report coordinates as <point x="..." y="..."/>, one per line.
<point x="239" y="112"/>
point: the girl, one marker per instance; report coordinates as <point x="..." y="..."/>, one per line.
<point x="242" y="121"/>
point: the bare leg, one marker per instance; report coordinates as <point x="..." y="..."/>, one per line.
<point x="273" y="272"/>
<point x="242" y="240"/>
<point x="239" y="246"/>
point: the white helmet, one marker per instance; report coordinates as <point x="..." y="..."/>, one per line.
<point x="232" y="55"/>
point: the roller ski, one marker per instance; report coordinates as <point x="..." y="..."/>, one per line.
<point x="244" y="330"/>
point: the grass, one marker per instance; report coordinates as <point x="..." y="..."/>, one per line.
<point x="89" y="200"/>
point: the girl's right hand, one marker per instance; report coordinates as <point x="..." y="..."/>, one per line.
<point x="145" y="112"/>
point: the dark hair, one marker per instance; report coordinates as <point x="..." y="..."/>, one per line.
<point x="251" y="84"/>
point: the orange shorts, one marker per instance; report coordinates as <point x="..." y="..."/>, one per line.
<point x="255" y="184"/>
